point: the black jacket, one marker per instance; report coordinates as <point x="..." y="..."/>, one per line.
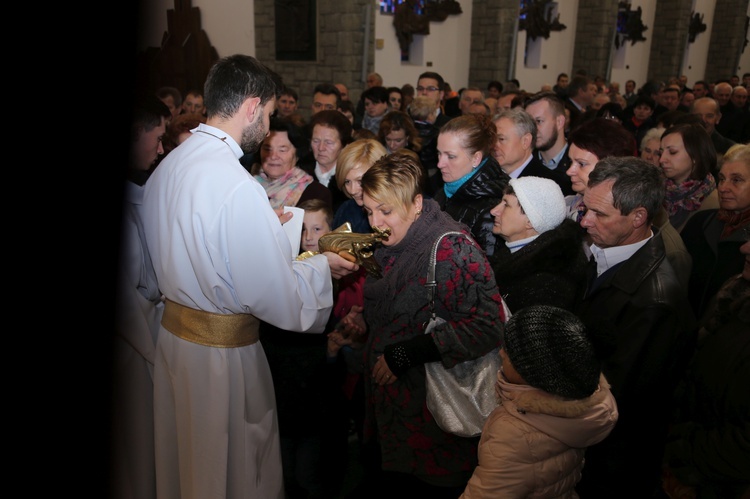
<point x="536" y="168"/>
<point x="550" y="270"/>
<point x="714" y="259"/>
<point x="640" y="311"/>
<point x="472" y="203"/>
<point x="338" y="197"/>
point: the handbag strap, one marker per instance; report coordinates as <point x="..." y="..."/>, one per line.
<point x="431" y="283"/>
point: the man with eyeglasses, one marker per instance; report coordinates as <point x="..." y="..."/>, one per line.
<point x="431" y="84"/>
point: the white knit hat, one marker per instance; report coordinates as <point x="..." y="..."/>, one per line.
<point x="542" y="200"/>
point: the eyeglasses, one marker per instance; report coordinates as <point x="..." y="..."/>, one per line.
<point x="428" y="89"/>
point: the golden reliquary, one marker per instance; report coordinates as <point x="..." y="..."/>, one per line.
<point x="353" y="246"/>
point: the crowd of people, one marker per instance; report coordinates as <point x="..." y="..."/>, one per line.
<point x="601" y="240"/>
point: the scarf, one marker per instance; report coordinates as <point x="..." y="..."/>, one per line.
<point x="733" y="221"/>
<point x="407" y="261"/>
<point x="450" y="188"/>
<point x="682" y="199"/>
<point x="287" y="189"/>
<point x="576" y="208"/>
<point x="372" y="123"/>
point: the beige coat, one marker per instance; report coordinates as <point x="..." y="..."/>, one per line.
<point x="533" y="444"/>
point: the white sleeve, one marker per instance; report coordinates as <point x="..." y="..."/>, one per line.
<point x="292" y="295"/>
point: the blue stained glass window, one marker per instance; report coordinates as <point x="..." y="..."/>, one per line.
<point x="389" y="6"/>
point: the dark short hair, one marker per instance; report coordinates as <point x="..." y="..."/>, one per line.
<point x="347" y="105"/>
<point x="397" y="90"/>
<point x="644" y="100"/>
<point x="668" y="118"/>
<point x="577" y="83"/>
<point x="689" y="118"/>
<point x="613" y="109"/>
<point x="234" y="79"/>
<point x="495" y="84"/>
<point x="290" y="92"/>
<point x="328" y="89"/>
<point x="148" y="113"/>
<point x="376" y="94"/>
<point x="296" y="134"/>
<point x="164" y="92"/>
<point x="603" y="138"/>
<point x="335" y="120"/>
<point x="636" y="183"/>
<point x="435" y="76"/>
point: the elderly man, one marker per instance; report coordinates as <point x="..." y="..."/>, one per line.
<point x="639" y="314"/>
<point x="469" y="96"/>
<point x="516" y="137"/>
<point x="739" y="97"/>
<point x="710" y="114"/>
<point x="343" y="90"/>
<point x="731" y="122"/>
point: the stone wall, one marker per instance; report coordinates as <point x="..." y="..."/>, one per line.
<point x="341" y="34"/>
<point x="493" y="27"/>
<point x="670" y="34"/>
<point x="724" y="51"/>
<point x="595" y="29"/>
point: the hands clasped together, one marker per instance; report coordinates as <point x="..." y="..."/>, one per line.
<point x="353" y="326"/>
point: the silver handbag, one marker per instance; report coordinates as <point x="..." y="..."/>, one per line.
<point x="462" y="397"/>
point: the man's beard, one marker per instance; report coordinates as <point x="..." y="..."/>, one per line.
<point x="253" y="135"/>
<point x="546" y="146"/>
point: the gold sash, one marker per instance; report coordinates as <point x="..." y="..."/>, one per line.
<point x="209" y="329"/>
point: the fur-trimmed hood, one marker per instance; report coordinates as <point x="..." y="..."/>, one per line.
<point x="577" y="423"/>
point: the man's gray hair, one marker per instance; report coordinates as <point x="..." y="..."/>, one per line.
<point x="522" y="122"/>
<point x="636" y="183"/>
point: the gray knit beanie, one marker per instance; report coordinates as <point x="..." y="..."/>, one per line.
<point x="542" y="200"/>
<point x="549" y="348"/>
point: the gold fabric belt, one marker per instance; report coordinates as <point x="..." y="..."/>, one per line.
<point x="209" y="329"/>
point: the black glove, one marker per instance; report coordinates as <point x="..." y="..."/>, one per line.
<point x="409" y="353"/>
